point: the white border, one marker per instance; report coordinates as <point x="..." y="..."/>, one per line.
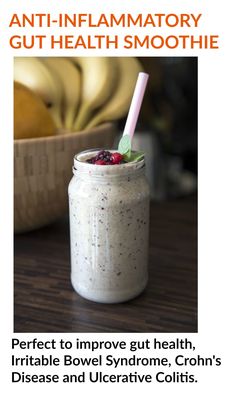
<point x="216" y="211"/>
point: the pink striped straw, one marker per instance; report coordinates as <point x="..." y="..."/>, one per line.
<point x="135" y="105"/>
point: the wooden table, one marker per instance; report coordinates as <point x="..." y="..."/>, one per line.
<point x="46" y="302"/>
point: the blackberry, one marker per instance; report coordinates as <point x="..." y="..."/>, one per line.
<point x="104" y="155"/>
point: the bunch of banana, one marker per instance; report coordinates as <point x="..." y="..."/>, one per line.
<point x="80" y="92"/>
<point x="70" y="78"/>
<point x="118" y="104"/>
<point x="98" y="82"/>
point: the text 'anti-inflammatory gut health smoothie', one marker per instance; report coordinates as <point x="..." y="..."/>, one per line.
<point x="109" y="227"/>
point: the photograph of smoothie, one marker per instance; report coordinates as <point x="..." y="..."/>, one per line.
<point x="109" y="217"/>
<point x="105" y="191"/>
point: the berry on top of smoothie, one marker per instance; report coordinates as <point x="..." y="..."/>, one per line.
<point x="106" y="158"/>
<point x="116" y="158"/>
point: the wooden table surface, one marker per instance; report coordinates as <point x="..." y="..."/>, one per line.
<point x="46" y="302"/>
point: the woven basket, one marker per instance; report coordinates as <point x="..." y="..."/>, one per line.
<point x="42" y="171"/>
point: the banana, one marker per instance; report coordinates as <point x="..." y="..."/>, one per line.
<point x="71" y="83"/>
<point x="99" y="76"/>
<point x="117" y="106"/>
<point x="31" y="72"/>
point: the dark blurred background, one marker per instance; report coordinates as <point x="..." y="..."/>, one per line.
<point x="167" y="128"/>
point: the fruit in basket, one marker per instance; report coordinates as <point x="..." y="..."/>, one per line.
<point x="32" y="72"/>
<point x="118" y="104"/>
<point x="99" y="78"/>
<point x="31" y="117"/>
<point x="70" y="77"/>
<point x="81" y="92"/>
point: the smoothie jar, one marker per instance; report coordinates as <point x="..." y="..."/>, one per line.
<point x="109" y="229"/>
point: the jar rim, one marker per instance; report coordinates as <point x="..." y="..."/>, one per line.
<point x="81" y="166"/>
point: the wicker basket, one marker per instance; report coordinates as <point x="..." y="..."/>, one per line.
<point x="43" y="169"/>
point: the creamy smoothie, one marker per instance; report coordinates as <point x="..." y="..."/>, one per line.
<point x="109" y="227"/>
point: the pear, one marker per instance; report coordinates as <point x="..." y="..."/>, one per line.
<point x="31" y="117"/>
<point x="33" y="73"/>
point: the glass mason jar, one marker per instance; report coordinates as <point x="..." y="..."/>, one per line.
<point x="109" y="229"/>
